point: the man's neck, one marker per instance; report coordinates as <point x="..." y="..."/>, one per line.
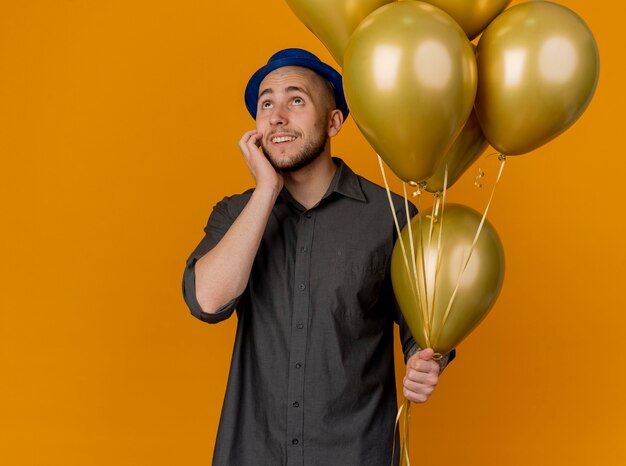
<point x="308" y="185"/>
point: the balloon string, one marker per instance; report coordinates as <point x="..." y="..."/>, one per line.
<point x="502" y="159"/>
<point x="427" y="252"/>
<point x="439" y="248"/>
<point x="480" y="175"/>
<point x="404" y="442"/>
<point x="395" y="220"/>
<point x="407" y="418"/>
<point x="423" y="283"/>
<point x="411" y="243"/>
<point x="415" y="276"/>
<point x="481" y="172"/>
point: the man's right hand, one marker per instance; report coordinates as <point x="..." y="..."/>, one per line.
<point x="261" y="169"/>
<point x="222" y="273"/>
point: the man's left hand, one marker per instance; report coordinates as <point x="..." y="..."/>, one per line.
<point x="422" y="376"/>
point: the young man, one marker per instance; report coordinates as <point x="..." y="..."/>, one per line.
<point x="304" y="258"/>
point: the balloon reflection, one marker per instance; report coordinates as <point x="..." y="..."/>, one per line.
<point x="557" y="60"/>
<point x="458" y="255"/>
<point x="433" y="65"/>
<point x="514" y="61"/>
<point x="385" y="66"/>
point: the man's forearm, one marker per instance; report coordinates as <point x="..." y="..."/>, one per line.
<point x="222" y="274"/>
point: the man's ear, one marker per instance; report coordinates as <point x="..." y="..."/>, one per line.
<point x="335" y="122"/>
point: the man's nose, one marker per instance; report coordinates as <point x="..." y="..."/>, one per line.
<point x="279" y="115"/>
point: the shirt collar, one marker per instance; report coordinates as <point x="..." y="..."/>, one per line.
<point x="345" y="182"/>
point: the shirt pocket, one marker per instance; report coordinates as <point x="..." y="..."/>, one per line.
<point x="354" y="280"/>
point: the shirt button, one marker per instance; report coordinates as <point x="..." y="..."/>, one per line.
<point x="303" y="249"/>
<point x="300" y="326"/>
<point x="298" y="365"/>
<point x="302" y="286"/>
<point x="296" y="404"/>
<point x="294" y="441"/>
<point x="307" y="215"/>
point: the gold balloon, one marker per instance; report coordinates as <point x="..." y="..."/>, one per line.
<point x="333" y="21"/>
<point x="467" y="147"/>
<point x="538" y="69"/>
<point x="478" y="285"/>
<point x="474" y="16"/>
<point x="410" y="82"/>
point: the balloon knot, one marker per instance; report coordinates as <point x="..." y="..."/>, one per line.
<point x="419" y="189"/>
<point x="481" y="174"/>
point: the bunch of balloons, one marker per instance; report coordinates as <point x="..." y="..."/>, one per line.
<point x="429" y="102"/>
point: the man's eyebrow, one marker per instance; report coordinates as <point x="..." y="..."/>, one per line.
<point x="298" y="89"/>
<point x="269" y="90"/>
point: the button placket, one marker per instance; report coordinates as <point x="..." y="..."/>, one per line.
<point x="299" y="338"/>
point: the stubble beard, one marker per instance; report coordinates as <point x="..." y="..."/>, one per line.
<point x="309" y="153"/>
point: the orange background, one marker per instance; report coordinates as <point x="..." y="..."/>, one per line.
<point x="119" y="123"/>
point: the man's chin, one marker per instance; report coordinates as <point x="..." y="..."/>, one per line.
<point x="292" y="165"/>
<point x="285" y="163"/>
<point x="280" y="163"/>
<point x="290" y="162"/>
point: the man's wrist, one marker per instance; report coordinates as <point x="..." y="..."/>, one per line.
<point x="267" y="191"/>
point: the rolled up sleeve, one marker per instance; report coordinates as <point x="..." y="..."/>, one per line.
<point x="218" y="224"/>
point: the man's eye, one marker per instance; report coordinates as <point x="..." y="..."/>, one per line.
<point x="266" y="105"/>
<point x="298" y="101"/>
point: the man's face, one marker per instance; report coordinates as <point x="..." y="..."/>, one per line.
<point x="293" y="114"/>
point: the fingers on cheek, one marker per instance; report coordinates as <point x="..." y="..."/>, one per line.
<point x="243" y="148"/>
<point x="251" y="149"/>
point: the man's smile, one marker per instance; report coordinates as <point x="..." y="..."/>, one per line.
<point x="282" y="138"/>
